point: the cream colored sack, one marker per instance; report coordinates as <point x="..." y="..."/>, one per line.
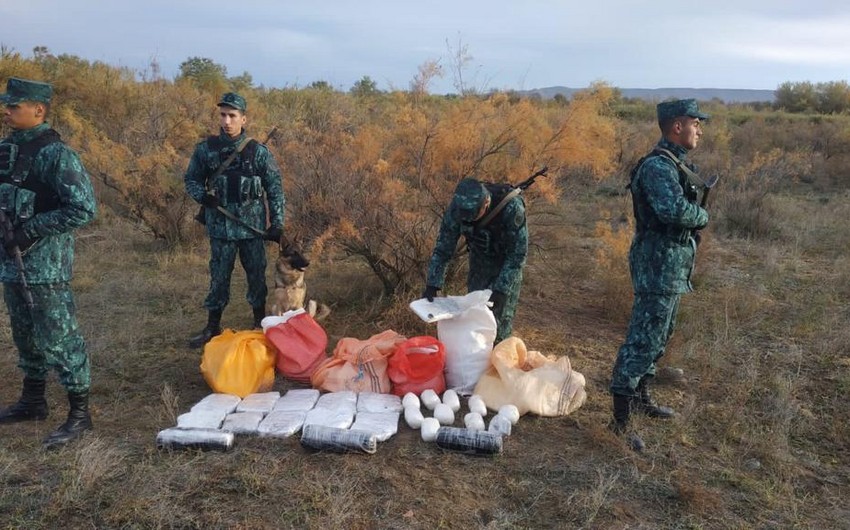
<point x="546" y="386"/>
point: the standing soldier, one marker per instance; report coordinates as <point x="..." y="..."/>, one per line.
<point x="497" y="237"/>
<point x="45" y="193"/>
<point x="661" y="258"/>
<point x="238" y="182"/>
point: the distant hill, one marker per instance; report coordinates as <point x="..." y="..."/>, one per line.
<point x="727" y="95"/>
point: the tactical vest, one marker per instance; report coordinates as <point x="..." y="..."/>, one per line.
<point x="16" y="161"/>
<point x="487" y="239"/>
<point x="639" y="203"/>
<point x="241" y="181"/>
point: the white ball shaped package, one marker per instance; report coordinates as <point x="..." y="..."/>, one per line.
<point x="476" y="404"/>
<point x="430" y="399"/>
<point x="413" y="417"/>
<point x="509" y="412"/>
<point x="444" y="414"/>
<point x="430" y="426"/>
<point x="473" y="421"/>
<point x="451" y="399"/>
<point x="410" y="400"/>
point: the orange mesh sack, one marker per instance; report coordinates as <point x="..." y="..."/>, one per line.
<point x="358" y="365"/>
<point x="546" y="386"/>
<point x="416" y="365"/>
<point x="301" y="343"/>
<point x="239" y="363"/>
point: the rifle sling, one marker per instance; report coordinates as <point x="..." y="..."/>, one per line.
<point x="694" y="179"/>
<point x="499" y="207"/>
<point x="227" y="161"/>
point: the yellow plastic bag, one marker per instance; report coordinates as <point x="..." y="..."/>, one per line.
<point x="546" y="386"/>
<point x="239" y="363"/>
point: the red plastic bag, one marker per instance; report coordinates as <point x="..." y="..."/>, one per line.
<point x="301" y="343"/>
<point x="416" y="365"/>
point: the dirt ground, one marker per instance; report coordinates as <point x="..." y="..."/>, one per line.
<point x="760" y="442"/>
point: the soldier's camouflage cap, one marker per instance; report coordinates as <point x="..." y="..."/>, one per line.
<point x="469" y="195"/>
<point x="680" y="107"/>
<point x="232" y="99"/>
<point x="18" y="90"/>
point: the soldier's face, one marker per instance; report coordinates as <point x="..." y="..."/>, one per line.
<point x="24" y="115"/>
<point x="689" y="131"/>
<point x="231" y="121"/>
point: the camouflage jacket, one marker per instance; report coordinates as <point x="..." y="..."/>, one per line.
<point x="502" y="245"/>
<point x="661" y="257"/>
<point x="251" y="181"/>
<point x="54" y="197"/>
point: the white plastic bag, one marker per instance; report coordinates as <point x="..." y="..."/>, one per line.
<point x="262" y="402"/>
<point x="242" y="422"/>
<point x="225" y="403"/>
<point x="468" y="337"/>
<point x="374" y="402"/>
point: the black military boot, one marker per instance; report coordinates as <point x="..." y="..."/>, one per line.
<point x="620" y="423"/>
<point x="32" y="405"/>
<point x="259" y="315"/>
<point x="77" y="423"/>
<point x="644" y="404"/>
<point x="212" y="329"/>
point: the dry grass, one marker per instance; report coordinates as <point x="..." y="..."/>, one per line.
<point x="761" y="440"/>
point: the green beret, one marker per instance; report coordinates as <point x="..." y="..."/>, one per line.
<point x="232" y="99"/>
<point x="18" y="90"/>
<point x="680" y="107"/>
<point x="468" y="198"/>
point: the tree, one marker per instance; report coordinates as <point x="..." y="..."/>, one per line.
<point x="241" y="83"/>
<point x="427" y="72"/>
<point x="365" y="87"/>
<point x="796" y="97"/>
<point x="833" y="97"/>
<point x="204" y="73"/>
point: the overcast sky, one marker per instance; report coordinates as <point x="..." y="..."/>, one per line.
<point x="516" y="44"/>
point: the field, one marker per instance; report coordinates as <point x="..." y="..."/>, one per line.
<point x="761" y="440"/>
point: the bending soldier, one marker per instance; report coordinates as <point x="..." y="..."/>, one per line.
<point x="238" y="182"/>
<point x="497" y="248"/>
<point x="661" y="259"/>
<point x="46" y="193"/>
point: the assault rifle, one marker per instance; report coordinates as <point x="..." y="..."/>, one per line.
<point x="519" y="188"/>
<point x="530" y="180"/>
<point x="8" y="232"/>
<point x="707" y="185"/>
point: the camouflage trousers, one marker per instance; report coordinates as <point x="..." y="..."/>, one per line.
<point x="47" y="336"/>
<point x="651" y="326"/>
<point x="252" y="256"/>
<point x="484" y="278"/>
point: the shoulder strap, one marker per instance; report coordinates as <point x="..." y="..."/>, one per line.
<point x="694" y="179"/>
<point x="227" y="161"/>
<point x="487" y="219"/>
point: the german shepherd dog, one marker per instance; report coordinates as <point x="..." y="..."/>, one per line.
<point x="290" y="289"/>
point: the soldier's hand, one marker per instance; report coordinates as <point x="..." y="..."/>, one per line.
<point x="210" y="201"/>
<point x="20" y="240"/>
<point x="273" y="234"/>
<point x="430" y="292"/>
<point x="498" y="300"/>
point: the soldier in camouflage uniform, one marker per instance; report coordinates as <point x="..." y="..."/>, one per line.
<point x="661" y="259"/>
<point x="45" y="193"/>
<point x="497" y="249"/>
<point x="250" y="189"/>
